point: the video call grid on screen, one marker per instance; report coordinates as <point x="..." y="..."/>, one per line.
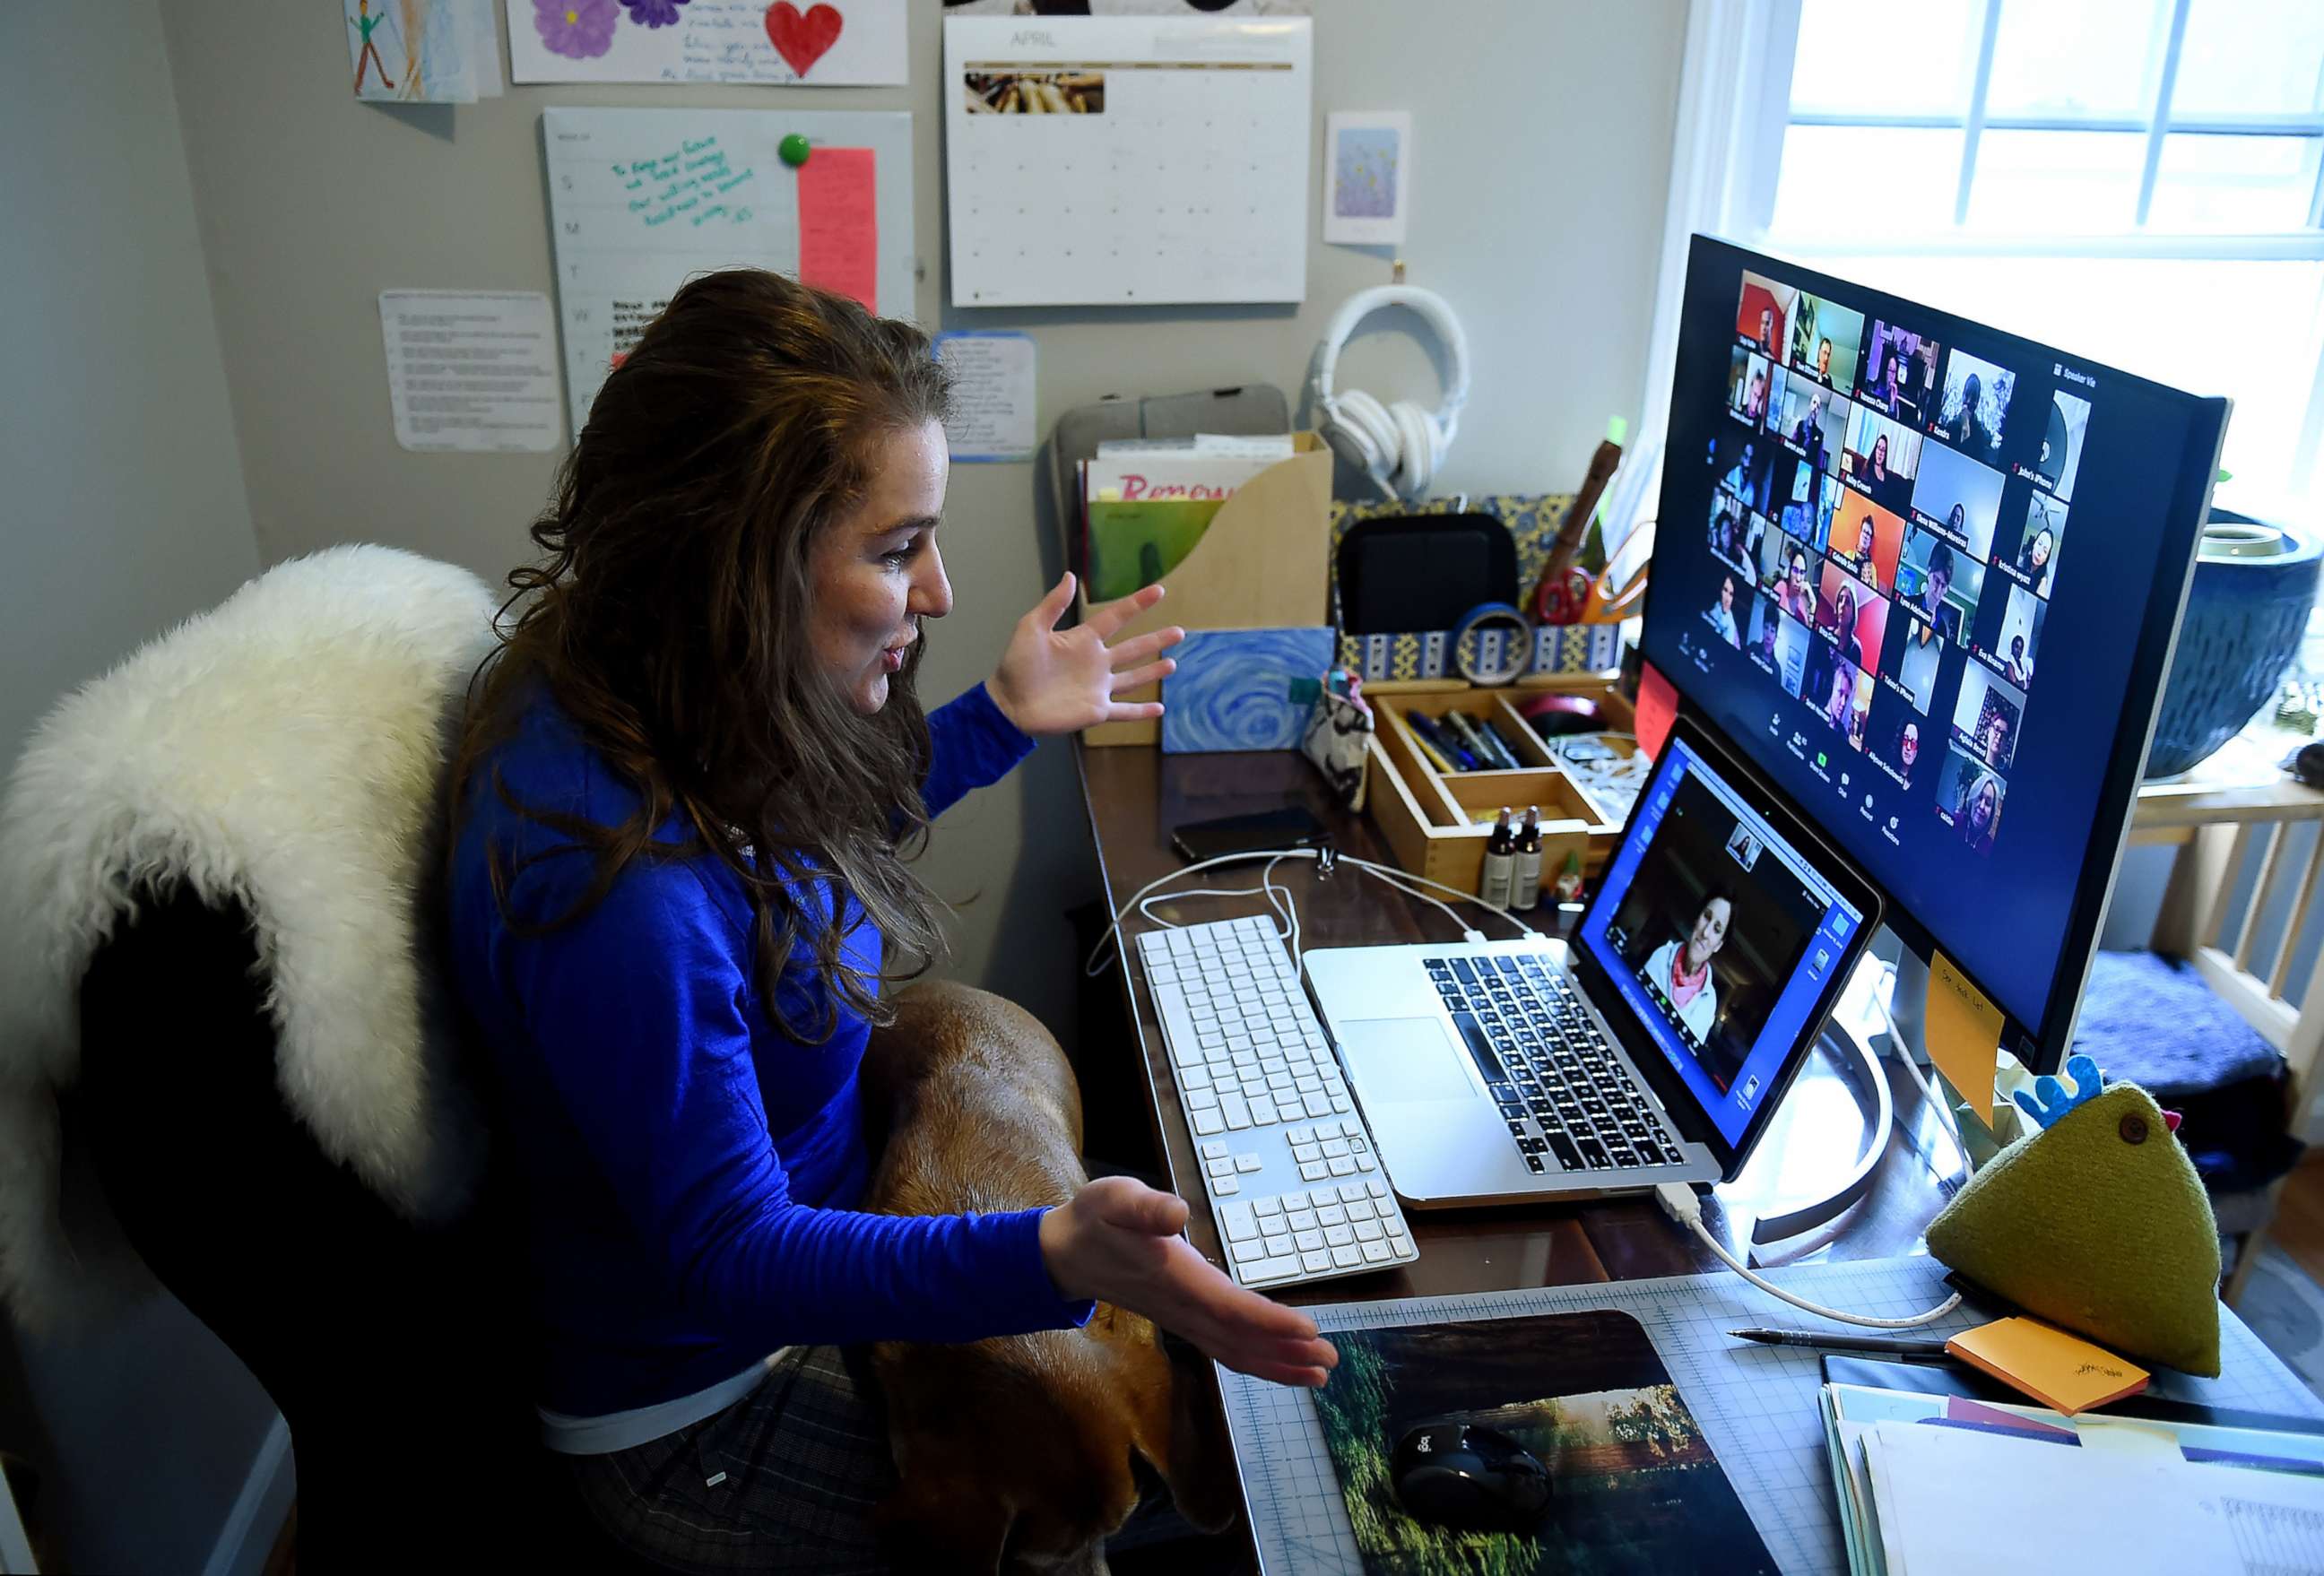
<point x="1930" y="572"/>
<point x="1700" y="857"/>
<point x="1941" y="516"/>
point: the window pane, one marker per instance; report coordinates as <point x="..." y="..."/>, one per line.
<point x="2057" y="182"/>
<point x="1841" y="180"/>
<point x="2258" y="344"/>
<point x="2251" y="57"/>
<point x="2240" y="184"/>
<point x="1849" y="55"/>
<point x="2076" y="57"/>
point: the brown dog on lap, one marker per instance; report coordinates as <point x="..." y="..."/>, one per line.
<point x="1015" y="1453"/>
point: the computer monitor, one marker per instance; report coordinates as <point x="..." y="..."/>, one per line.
<point x="1928" y="576"/>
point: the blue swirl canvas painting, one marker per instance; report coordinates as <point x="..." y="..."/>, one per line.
<point x="1234" y="689"/>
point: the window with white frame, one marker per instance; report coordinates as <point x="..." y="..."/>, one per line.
<point x="2141" y="181"/>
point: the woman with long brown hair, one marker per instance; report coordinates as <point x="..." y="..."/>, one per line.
<point x="691" y="782"/>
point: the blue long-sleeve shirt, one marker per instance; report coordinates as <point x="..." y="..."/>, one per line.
<point x="687" y="1169"/>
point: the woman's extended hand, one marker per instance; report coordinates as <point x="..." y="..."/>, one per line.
<point x="1052" y="681"/>
<point x="1118" y="1240"/>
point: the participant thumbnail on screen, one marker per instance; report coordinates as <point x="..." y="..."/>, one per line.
<point x="1713" y="938"/>
<point x="1747" y="386"/>
<point x="1882" y="459"/>
<point x="1769" y="548"/>
<point x="1809" y="499"/>
<point x="1958" y="497"/>
<point x="1869" y="539"/>
<point x="1727" y="529"/>
<point x="1900" y="374"/>
<point x="1764" y="311"/>
<point x="1792" y="584"/>
<point x="2061" y="443"/>
<point x="1826" y="338"/>
<point x="1968" y="800"/>
<point x="1911" y="658"/>
<point x="1814" y="421"/>
<point x="1759" y="635"/>
<point x="1941" y="584"/>
<point x="1779" y="645"/>
<point x="1722" y="614"/>
<point x="1894" y="737"/>
<point x="1975" y="405"/>
<point x="2034" y="558"/>
<point x="1745" y="463"/>
<point x="1851" y="616"/>
<point x="2016" y="637"/>
<point x="1840" y="691"/>
<point x="1986" y="717"/>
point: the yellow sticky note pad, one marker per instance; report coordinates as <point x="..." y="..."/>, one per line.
<point x="2063" y="1372"/>
<point x="1964" y="1033"/>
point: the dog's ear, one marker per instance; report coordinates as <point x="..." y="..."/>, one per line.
<point x="1182" y="1433"/>
<point x="938" y="1521"/>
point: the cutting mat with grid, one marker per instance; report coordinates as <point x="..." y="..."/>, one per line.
<point x="1756" y="1404"/>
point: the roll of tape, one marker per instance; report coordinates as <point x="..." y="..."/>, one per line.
<point x="1503" y="647"/>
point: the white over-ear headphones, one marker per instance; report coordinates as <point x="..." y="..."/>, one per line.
<point x="1401" y="445"/>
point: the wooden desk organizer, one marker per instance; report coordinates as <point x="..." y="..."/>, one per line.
<point x="1428" y="817"/>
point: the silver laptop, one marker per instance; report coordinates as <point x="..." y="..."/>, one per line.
<point x="1654" y="1047"/>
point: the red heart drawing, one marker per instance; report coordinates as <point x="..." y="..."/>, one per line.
<point x="803" y="39"/>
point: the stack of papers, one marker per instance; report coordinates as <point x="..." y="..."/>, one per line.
<point x="1941" y="1484"/>
<point x="1146" y="502"/>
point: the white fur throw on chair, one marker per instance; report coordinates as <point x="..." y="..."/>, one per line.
<point x="284" y="752"/>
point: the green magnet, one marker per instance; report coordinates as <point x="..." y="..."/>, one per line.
<point x="793" y="150"/>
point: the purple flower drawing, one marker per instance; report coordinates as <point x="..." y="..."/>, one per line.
<point x="653" y="13"/>
<point x="580" y="30"/>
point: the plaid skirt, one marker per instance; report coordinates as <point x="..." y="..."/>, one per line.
<point x="784" y="1480"/>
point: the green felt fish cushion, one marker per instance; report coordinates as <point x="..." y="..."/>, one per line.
<point x="2098" y="1224"/>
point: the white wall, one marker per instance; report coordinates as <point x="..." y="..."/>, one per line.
<point x="1543" y="147"/>
<point x="122" y="511"/>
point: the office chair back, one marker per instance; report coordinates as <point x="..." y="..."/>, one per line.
<point x="390" y="1347"/>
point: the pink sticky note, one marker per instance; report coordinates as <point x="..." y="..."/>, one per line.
<point x="1657" y="710"/>
<point x="839" y="223"/>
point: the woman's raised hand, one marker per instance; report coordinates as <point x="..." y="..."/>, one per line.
<point x="1054" y="681"/>
<point x="1116" y="1239"/>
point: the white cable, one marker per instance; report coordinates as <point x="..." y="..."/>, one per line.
<point x="1274" y="895"/>
<point x="1387" y="878"/>
<point x="1099" y="954"/>
<point x="1679" y="1202"/>
<point x="1399" y="878"/>
<point x="1403" y="880"/>
<point x="1937" y="1103"/>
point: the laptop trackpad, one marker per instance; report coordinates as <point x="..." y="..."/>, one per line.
<point x="1405" y="1058"/>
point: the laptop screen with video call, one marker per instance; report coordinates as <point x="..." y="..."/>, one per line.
<point x="1721" y="936"/>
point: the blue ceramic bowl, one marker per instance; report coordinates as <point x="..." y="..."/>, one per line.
<point x="2244" y="617"/>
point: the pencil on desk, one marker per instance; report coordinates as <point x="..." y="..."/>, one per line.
<point x="1882" y="1345"/>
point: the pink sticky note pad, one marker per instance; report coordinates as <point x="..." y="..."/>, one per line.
<point x="839" y="223"/>
<point x="1657" y="710"/>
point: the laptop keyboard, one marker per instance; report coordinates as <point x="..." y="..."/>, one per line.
<point x="1562" y="1092"/>
<point x="1295" y="1186"/>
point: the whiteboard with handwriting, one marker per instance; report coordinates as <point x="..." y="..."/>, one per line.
<point x="640" y="200"/>
<point x="1127" y="160"/>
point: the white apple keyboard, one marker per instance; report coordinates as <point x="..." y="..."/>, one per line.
<point x="1295" y="1189"/>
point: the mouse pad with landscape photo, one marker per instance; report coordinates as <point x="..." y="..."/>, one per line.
<point x="1637" y="1489"/>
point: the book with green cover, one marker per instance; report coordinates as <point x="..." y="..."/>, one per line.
<point x="1134" y="544"/>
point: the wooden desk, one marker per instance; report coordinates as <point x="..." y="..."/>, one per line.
<point x="1136" y="794"/>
